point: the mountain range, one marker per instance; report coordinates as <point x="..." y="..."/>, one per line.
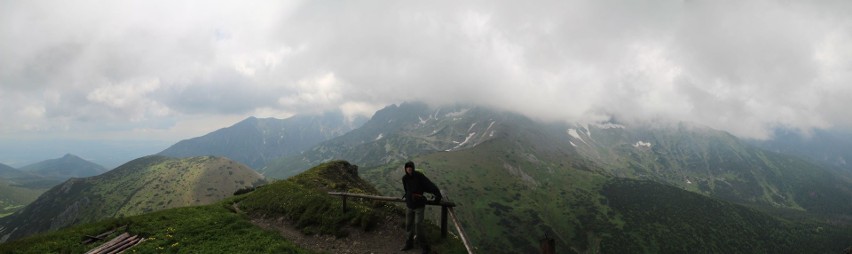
<point x="143" y="185"/>
<point x="594" y="187"/>
<point x="521" y="179"/>
<point x="257" y="141"/>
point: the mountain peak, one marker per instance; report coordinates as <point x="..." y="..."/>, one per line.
<point x="65" y="167"/>
<point x="70" y="156"/>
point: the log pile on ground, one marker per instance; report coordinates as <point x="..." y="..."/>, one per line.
<point x="118" y="244"/>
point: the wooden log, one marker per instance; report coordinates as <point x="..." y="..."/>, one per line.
<point x="116" y="245"/>
<point x="90" y="239"/>
<point x="108" y="244"/>
<point x="122" y="246"/>
<point x="138" y="241"/>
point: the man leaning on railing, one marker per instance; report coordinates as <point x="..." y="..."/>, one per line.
<point x="415" y="185"/>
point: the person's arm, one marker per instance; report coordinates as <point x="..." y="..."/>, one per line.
<point x="431" y="188"/>
<point x="405" y="189"/>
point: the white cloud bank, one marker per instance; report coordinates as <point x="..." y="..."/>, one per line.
<point x="105" y="69"/>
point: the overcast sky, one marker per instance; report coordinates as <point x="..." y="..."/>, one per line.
<point x="169" y="70"/>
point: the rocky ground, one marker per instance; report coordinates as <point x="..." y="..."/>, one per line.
<point x="386" y="237"/>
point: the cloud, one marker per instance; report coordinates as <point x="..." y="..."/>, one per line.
<point x="744" y="67"/>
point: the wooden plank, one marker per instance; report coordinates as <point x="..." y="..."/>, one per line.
<point x="391" y="199"/>
<point x="461" y="231"/>
<point x="444" y="221"/>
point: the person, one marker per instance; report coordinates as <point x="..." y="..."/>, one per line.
<point x="415" y="185"/>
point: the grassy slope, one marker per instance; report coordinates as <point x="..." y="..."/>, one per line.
<point x="303" y="200"/>
<point x="15" y="197"/>
<point x="200" y="229"/>
<point x="509" y="199"/>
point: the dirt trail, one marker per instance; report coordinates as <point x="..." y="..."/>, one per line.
<point x="387" y="237"/>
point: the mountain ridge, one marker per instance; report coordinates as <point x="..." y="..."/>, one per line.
<point x="256" y="141"/>
<point x="143" y="185"/>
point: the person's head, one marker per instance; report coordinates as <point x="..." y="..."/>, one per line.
<point x="409" y="167"/>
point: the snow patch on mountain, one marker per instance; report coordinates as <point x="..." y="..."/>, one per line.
<point x="642" y="144"/>
<point x="609" y="126"/>
<point x="423" y="121"/>
<point x="467" y="139"/>
<point x="457" y="113"/>
<point x="576" y="135"/>
<point x="471" y="127"/>
<point x="381" y="135"/>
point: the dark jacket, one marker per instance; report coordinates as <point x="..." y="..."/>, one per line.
<point x="415" y="185"/>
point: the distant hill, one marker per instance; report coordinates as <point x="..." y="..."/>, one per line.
<point x="139" y="186"/>
<point x="67" y="166"/>
<point x="827" y="147"/>
<point x="256" y="141"/>
<point x="9" y="172"/>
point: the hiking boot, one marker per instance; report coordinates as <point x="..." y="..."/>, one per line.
<point x="426" y="249"/>
<point x="407" y="246"/>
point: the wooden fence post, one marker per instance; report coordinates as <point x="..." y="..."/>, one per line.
<point x="443" y="221"/>
<point x="548" y="245"/>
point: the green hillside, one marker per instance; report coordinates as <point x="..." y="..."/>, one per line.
<point x="142" y="185"/>
<point x="67" y="166"/>
<point x="19" y="188"/>
<point x="510" y="199"/>
<point x="227" y="227"/>
<point x="716" y="164"/>
<point x="14" y="197"/>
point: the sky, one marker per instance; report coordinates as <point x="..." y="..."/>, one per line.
<point x="162" y="71"/>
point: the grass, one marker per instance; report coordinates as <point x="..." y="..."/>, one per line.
<point x="303" y="199"/>
<point x="199" y="229"/>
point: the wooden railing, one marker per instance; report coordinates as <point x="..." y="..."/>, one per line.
<point x="446" y="209"/>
